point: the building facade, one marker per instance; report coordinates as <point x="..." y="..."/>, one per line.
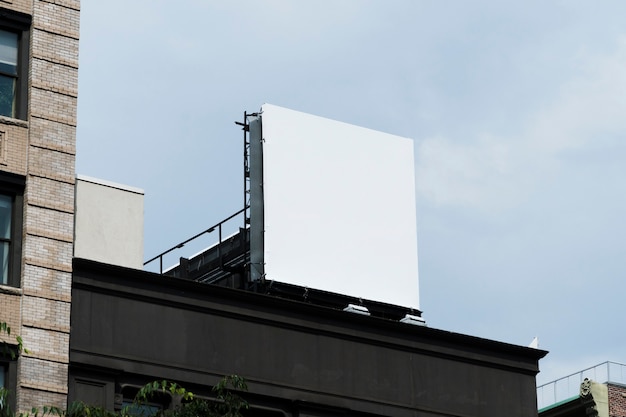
<point x="298" y="357"/>
<point x="38" y="98"/>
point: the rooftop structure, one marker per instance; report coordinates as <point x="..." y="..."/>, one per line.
<point x="570" y="392"/>
<point x="328" y="217"/>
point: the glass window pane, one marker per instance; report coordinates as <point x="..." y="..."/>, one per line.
<point x="6" y="203"/>
<point x="3" y="371"/>
<point x="7" y="96"/>
<point x="139" y="410"/>
<point x="5" y="216"/>
<point x="4" y="263"/>
<point x="8" y="51"/>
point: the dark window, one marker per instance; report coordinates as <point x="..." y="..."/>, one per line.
<point x="8" y="383"/>
<point x="4" y="391"/>
<point x="140" y="410"/>
<point x="8" y="72"/>
<point x="158" y="401"/>
<point x="11" y="207"/>
<point x="14" y="39"/>
<point x="6" y="217"/>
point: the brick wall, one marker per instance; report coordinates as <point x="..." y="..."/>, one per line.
<point x="43" y="148"/>
<point x="617" y="400"/>
<point x="10" y="301"/>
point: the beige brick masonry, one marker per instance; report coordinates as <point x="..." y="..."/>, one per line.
<point x="13" y="148"/>
<point x="55" y="48"/>
<point x="47" y="344"/>
<point x="43" y="148"/>
<point x="53" y="135"/>
<point x="47" y="283"/>
<point x="42" y="221"/>
<point x="10" y="314"/>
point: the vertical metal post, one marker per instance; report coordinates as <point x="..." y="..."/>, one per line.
<point x="219" y="246"/>
<point x="246" y="170"/>
<point x="246" y="195"/>
<point x="257" y="224"/>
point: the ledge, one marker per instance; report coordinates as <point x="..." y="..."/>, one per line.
<point x="13" y="122"/>
<point x="5" y="289"/>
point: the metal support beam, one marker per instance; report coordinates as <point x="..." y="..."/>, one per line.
<point x="257" y="227"/>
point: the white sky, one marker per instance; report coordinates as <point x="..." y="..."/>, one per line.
<point x="517" y="110"/>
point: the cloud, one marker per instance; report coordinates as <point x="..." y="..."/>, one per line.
<point x="491" y="172"/>
<point x="469" y="174"/>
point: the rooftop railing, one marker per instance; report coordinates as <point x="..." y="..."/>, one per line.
<point x="220" y="238"/>
<point x="568" y="387"/>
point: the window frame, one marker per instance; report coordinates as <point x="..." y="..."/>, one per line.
<point x="20" y="24"/>
<point x="13" y="185"/>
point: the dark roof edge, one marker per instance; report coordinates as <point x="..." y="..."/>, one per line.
<point x="111" y="278"/>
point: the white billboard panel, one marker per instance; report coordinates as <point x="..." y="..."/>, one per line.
<point x="339" y="204"/>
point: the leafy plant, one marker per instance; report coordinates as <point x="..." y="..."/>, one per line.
<point x="6" y="347"/>
<point x="8" y="350"/>
<point x="226" y="404"/>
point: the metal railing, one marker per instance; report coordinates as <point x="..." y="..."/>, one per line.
<point x="211" y="229"/>
<point x="568" y="386"/>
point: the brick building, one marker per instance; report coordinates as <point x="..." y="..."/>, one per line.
<point x="38" y="93"/>
<point x="617" y="400"/>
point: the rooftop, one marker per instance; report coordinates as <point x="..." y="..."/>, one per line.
<point x="568" y="387"/>
<point x="225" y="262"/>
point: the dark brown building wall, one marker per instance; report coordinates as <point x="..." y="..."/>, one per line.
<point x="128" y="323"/>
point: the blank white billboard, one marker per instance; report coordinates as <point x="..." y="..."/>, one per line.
<point x="339" y="204"/>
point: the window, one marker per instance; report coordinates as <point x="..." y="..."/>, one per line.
<point x="11" y="206"/>
<point x="14" y="39"/>
<point x="140" y="410"/>
<point x="8" y="383"/>
<point x="158" y="401"/>
<point x="6" y="217"/>
<point x="8" y="72"/>
<point x="4" y="394"/>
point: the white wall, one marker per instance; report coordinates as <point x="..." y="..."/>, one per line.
<point x="108" y="222"/>
<point x="339" y="203"/>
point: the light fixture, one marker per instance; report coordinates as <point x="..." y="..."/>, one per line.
<point x="353" y="308"/>
<point x="414" y="320"/>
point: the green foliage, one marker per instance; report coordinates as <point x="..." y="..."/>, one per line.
<point x="5" y="410"/>
<point x="6" y="348"/>
<point x="46" y="411"/>
<point x="143" y="396"/>
<point x="80" y="409"/>
<point x="230" y="404"/>
<point x="226" y="404"/>
<point x="50" y="411"/>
